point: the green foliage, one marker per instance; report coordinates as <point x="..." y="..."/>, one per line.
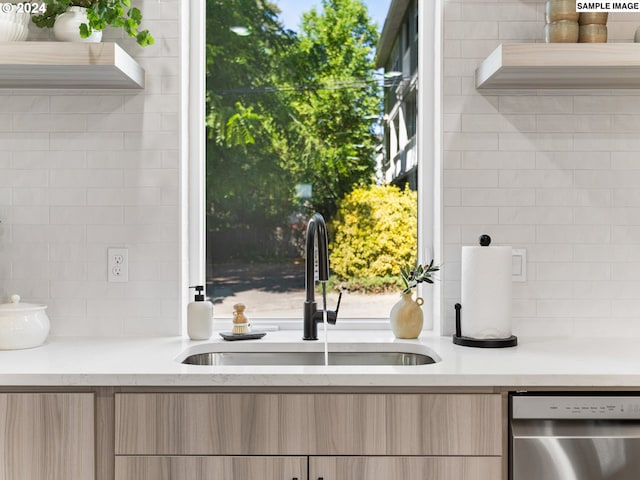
<point x="247" y="184"/>
<point x="285" y="108"/>
<point x="333" y="131"/>
<point x="412" y="276"/>
<point x="388" y="283"/>
<point x="100" y="14"/>
<point x="375" y="230"/>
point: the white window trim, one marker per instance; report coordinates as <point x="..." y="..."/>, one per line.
<point x="192" y="136"/>
<point x="192" y="150"/>
<point x="429" y="143"/>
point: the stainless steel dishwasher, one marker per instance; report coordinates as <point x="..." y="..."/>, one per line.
<point x="575" y="437"/>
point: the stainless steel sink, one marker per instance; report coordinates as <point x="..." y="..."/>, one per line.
<point x="308" y="358"/>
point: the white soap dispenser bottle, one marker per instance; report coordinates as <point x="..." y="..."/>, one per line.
<point x="199" y="316"/>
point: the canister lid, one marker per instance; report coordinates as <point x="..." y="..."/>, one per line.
<point x="16" y="306"/>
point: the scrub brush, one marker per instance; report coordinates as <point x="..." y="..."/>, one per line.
<point x="240" y="322"/>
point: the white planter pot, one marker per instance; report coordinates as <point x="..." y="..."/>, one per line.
<point x="14" y="26"/>
<point x="67" y="26"/>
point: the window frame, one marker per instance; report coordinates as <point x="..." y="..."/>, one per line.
<point x="192" y="141"/>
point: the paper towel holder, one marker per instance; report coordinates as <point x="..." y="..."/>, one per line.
<point x="458" y="339"/>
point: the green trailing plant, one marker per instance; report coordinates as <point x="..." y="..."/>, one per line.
<point x="412" y="276"/>
<point x="100" y="14"/>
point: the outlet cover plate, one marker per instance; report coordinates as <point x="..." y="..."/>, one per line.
<point x="118" y="265"/>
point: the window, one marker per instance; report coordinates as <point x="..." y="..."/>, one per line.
<point x="264" y="177"/>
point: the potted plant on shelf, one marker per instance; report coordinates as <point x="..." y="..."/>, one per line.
<point x="406" y="315"/>
<point x="14" y="22"/>
<point x="84" y="20"/>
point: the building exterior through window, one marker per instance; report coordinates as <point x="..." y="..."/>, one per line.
<point x="397" y="54"/>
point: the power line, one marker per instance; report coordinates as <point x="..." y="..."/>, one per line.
<point x="355" y="84"/>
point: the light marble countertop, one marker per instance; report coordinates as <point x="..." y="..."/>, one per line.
<point x="535" y="362"/>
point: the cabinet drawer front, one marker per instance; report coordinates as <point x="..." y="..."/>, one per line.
<point x="206" y="468"/>
<point x="405" y="468"/>
<point x="47" y="436"/>
<point x="303" y="424"/>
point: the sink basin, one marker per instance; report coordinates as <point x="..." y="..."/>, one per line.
<point x="308" y="358"/>
<point x="302" y="357"/>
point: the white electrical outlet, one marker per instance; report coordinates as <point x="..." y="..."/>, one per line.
<point x="118" y="265"/>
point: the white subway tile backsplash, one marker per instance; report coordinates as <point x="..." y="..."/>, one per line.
<point x="473" y="215"/>
<point x="572" y="308"/>
<point x="470" y="141"/>
<point x="535" y="178"/>
<point x="613" y="104"/>
<point x="16" y="141"/>
<point x="75" y="165"/>
<point x="87" y="215"/>
<point x="470" y="29"/>
<point x="27" y="122"/>
<point x="472" y="160"/>
<point x="28" y="104"/>
<point x="608" y="142"/>
<point x="121" y="122"/>
<point x="568" y="271"/>
<point x="527" y="141"/>
<point x="470" y="178"/>
<point x="468" y="104"/>
<point x="23" y="178"/>
<point x="48" y="160"/>
<point x="607" y="254"/>
<point x="65" y="178"/>
<point x="87" y="142"/>
<point x="520" y="31"/>
<point x="523" y="215"/>
<point x="572" y="234"/>
<point x="501" y="234"/>
<point x="497" y="196"/>
<point x="124" y="159"/>
<point x="625" y="161"/>
<point x="573" y="160"/>
<point x="105" y="104"/>
<point x="557" y="197"/>
<point x="532" y="103"/>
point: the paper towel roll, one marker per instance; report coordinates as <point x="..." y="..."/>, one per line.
<point x="486" y="292"/>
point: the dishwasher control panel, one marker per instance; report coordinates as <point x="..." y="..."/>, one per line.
<point x="576" y="407"/>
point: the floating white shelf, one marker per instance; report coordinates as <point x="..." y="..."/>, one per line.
<point x="561" y="65"/>
<point x="68" y="65"/>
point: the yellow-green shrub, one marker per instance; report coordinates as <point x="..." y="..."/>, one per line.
<point x="374" y="233"/>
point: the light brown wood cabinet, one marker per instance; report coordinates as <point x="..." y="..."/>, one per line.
<point x="307" y="424"/>
<point x="405" y="468"/>
<point x="47" y="436"/>
<point x="193" y="436"/>
<point x="207" y="468"/>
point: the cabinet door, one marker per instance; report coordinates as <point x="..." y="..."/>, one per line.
<point x="405" y="468"/>
<point x="207" y="468"/>
<point x="46" y="436"/>
<point x="308" y="424"/>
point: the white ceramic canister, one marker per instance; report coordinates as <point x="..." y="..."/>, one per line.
<point x="22" y="325"/>
<point x="67" y="26"/>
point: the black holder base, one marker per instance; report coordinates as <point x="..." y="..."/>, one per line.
<point x="511" y="341"/>
<point x="242" y="336"/>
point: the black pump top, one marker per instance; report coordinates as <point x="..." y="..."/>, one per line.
<point x="485" y="240"/>
<point x="199" y="295"/>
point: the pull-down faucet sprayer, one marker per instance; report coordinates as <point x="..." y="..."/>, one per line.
<point x="316" y="235"/>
